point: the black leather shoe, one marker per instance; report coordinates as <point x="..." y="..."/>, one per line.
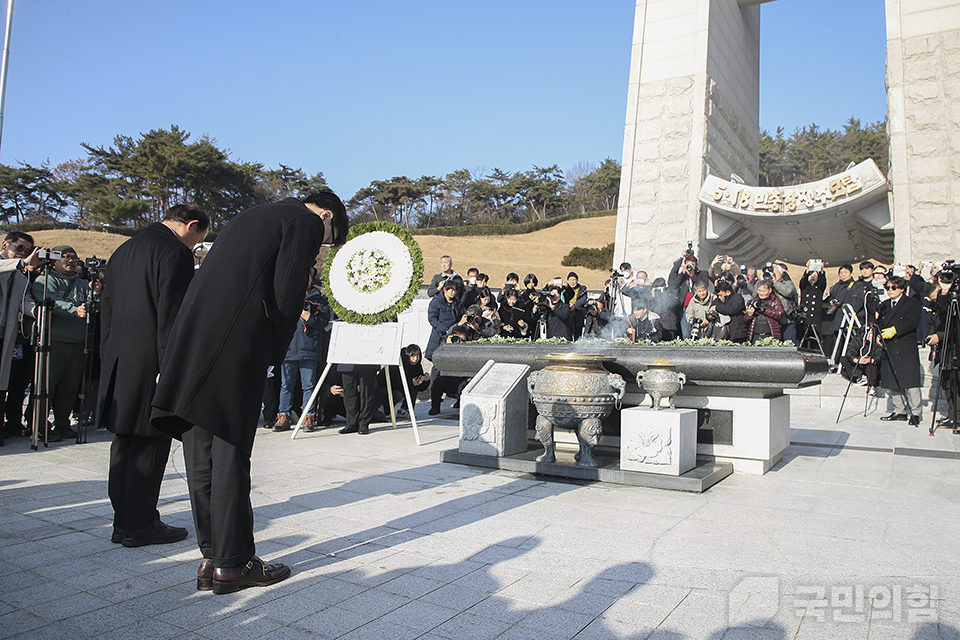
<point x="205" y="575"/>
<point x="117" y="536"/>
<point x="433" y="411"/>
<point x="349" y="430"/>
<point x="157" y="533"/>
<point x="895" y="417"/>
<point x="364" y="430"/>
<point x="914" y="421"/>
<point x="255" y="573"/>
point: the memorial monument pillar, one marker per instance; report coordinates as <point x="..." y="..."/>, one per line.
<point x="923" y="126"/>
<point x="693" y="108"/>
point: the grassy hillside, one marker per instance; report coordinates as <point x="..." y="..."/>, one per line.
<point x="539" y="252"/>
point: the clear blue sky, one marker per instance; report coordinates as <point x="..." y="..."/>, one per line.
<point x="365" y="90"/>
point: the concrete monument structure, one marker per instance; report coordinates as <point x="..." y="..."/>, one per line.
<point x="693" y="112"/>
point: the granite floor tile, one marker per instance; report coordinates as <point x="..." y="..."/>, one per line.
<point x="419" y="615"/>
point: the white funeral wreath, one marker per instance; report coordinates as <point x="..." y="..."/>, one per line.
<point x="372" y="274"/>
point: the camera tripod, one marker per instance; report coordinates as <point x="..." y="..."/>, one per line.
<point x="811" y="333"/>
<point x="89" y="342"/>
<point x="949" y="351"/>
<point x="847" y="325"/>
<point x="40" y="388"/>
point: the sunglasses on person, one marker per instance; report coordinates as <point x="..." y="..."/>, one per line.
<point x="891" y="287"/>
<point x="19" y="248"/>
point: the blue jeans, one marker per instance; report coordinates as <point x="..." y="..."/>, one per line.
<point x="307" y="370"/>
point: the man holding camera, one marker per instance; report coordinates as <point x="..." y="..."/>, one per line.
<point x="813" y="284"/>
<point x="641" y="324"/>
<point x="945" y="349"/>
<point x="597" y="321"/>
<point x="684" y="275"/>
<point x="71" y="298"/>
<point x="149" y="275"/>
<point x="16" y="255"/>
<point x="555" y="314"/>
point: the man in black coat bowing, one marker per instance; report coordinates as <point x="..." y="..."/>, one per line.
<point x="899" y="318"/>
<point x="148" y="276"/>
<point x="236" y="320"/>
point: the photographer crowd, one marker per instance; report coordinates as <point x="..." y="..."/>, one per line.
<point x="862" y="323"/>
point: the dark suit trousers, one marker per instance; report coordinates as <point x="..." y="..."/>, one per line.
<point x="136" y="471"/>
<point x="218" y="475"/>
<point x="358" y="405"/>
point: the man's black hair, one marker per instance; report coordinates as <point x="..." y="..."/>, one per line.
<point x="897" y="281"/>
<point x="531" y="278"/>
<point x="625" y="266"/>
<point x="866" y="264"/>
<point x="946" y="276"/>
<point x="723" y="285"/>
<point x="331" y="202"/>
<point x="513" y="276"/>
<point x="848" y="267"/>
<point x="13" y="236"/>
<point x="187" y="213"/>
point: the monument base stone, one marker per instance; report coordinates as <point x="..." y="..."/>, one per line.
<point x="493" y="411"/>
<point x="663" y="442"/>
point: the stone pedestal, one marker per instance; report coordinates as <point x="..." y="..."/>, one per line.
<point x="752" y="431"/>
<point x="654" y="441"/>
<point x="493" y="411"/>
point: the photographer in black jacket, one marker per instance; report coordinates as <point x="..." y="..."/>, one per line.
<point x="597" y="323"/>
<point x="730" y="304"/>
<point x="813" y="284"/>
<point x="514" y="320"/>
<point x="555" y="314"/>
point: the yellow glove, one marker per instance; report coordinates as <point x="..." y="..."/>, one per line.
<point x="888" y="333"/>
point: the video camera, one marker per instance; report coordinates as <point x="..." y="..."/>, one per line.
<point x="49" y="255"/>
<point x="689" y="251"/>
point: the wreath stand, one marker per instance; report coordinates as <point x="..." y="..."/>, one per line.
<point x="378" y="344"/>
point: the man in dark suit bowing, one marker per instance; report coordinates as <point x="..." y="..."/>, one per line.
<point x="900" y="366"/>
<point x="148" y="277"/>
<point x="236" y="320"/>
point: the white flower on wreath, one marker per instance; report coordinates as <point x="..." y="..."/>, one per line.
<point x="371" y="272"/>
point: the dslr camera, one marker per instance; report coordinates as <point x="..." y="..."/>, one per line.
<point x="758" y="305"/>
<point x="768" y="271"/>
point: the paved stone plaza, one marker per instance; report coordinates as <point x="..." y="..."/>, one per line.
<point x="852" y="535"/>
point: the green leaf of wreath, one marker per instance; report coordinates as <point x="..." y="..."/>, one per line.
<point x="401" y="305"/>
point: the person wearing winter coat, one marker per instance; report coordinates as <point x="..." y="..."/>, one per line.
<point x="303" y="360"/>
<point x="763" y="313"/>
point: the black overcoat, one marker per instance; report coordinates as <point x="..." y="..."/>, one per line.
<point x="902" y="348"/>
<point x="237" y="319"/>
<point x="147" y="277"/>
